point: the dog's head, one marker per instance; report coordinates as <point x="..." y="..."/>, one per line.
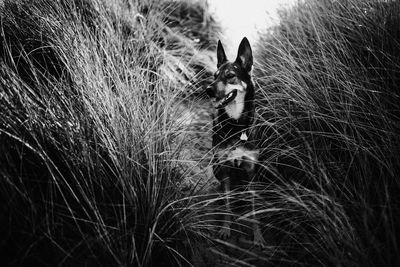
<point x="232" y="78"/>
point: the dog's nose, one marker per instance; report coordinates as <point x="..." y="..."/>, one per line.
<point x="210" y="91"/>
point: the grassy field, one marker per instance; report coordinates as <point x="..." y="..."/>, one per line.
<point x="91" y="136"/>
<point x="329" y="111"/>
<point x="87" y="128"/>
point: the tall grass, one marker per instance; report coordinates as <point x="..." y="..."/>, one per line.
<point x="88" y="173"/>
<point x="328" y="79"/>
<point x="90" y="140"/>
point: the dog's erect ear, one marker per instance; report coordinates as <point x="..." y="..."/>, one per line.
<point x="221" y="57"/>
<point x="245" y="56"/>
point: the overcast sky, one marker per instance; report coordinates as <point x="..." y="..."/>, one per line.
<point x="241" y="18"/>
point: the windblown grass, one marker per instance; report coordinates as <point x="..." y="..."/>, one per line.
<point x="88" y="135"/>
<point x="328" y="79"/>
<point x="88" y="175"/>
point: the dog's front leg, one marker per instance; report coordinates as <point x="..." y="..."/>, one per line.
<point x="225" y="231"/>
<point x="248" y="164"/>
<point x="257" y="234"/>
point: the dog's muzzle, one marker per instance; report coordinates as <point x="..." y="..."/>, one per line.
<point x="223" y="102"/>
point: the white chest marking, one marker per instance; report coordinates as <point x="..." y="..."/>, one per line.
<point x="236" y="107"/>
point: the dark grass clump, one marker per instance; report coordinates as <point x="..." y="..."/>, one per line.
<point x="328" y="80"/>
<point x="192" y="20"/>
<point x="87" y="174"/>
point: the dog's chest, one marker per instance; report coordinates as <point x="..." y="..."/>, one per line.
<point x="235" y="109"/>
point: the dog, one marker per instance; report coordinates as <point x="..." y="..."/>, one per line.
<point x="232" y="93"/>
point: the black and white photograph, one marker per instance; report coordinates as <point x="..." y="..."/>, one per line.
<point x="199" y="133"/>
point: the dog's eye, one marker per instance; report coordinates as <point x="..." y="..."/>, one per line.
<point x="230" y="75"/>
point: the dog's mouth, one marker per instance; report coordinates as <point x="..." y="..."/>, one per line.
<point x="221" y="103"/>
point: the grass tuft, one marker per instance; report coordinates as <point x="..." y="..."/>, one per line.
<point x="329" y="113"/>
<point x="87" y="91"/>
